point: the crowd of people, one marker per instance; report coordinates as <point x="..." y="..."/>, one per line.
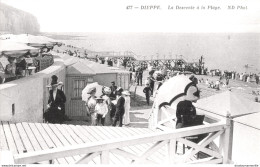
<point x="110" y="109"/>
<point x="17" y="67"/>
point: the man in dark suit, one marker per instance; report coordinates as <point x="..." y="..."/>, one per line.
<point x="120" y="108"/>
<point x="113" y="91"/>
<point x="56" y="103"/>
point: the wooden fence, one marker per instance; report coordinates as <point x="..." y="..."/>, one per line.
<point x="158" y="140"/>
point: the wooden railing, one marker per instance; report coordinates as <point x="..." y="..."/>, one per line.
<point x="157" y="141"/>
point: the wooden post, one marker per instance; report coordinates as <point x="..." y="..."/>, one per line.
<point x="226" y="140"/>
<point x="171" y="150"/>
<point x="104" y="157"/>
<point x="51" y="161"/>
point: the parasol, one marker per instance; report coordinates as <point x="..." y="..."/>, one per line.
<point x="172" y="91"/>
<point x="85" y="95"/>
<point x="31" y="40"/>
<point x="13" y="48"/>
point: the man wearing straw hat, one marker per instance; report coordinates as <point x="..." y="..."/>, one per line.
<point x="56" y="103"/>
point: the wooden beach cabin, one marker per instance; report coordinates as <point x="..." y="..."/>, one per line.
<point x="78" y="75"/>
<point x="123" y="77"/>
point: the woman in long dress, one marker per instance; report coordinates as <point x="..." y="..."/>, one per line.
<point x="90" y="106"/>
<point x="107" y="101"/>
<point x="126" y="120"/>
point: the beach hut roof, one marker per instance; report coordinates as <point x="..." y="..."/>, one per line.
<point x="80" y="68"/>
<point x="250" y="120"/>
<point x="228" y="102"/>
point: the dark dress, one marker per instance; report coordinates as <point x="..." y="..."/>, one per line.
<point x="56" y="112"/>
<point x="186" y="115"/>
<point x="184" y="109"/>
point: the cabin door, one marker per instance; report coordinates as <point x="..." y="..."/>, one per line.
<point x="75" y="106"/>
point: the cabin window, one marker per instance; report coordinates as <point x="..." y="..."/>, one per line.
<point x="78" y="86"/>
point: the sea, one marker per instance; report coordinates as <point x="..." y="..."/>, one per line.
<point x="225" y="51"/>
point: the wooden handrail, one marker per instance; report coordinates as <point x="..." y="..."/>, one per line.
<point x="86" y="148"/>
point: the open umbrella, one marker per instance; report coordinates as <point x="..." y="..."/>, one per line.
<point x="85" y="95"/>
<point x="31" y="40"/>
<point x="11" y="48"/>
<point x="172" y="91"/>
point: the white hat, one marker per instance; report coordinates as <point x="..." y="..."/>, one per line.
<point x="107" y="90"/>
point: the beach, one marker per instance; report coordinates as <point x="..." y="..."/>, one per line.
<point x="224" y="51"/>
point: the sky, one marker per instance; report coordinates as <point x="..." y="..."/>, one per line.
<point x="112" y="15"/>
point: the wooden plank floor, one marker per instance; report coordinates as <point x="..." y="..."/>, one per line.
<point x="29" y="137"/>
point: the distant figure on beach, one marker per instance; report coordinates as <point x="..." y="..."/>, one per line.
<point x="227" y="81"/>
<point x="56" y="103"/>
<point x="257" y="79"/>
<point x="139" y="76"/>
<point x="120" y="108"/>
<point x="217" y="85"/>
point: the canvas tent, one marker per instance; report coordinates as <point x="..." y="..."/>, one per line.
<point x="228" y="102"/>
<point x="246" y="139"/>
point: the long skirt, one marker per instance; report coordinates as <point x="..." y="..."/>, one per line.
<point x="126" y="120"/>
<point x="53" y="115"/>
<point x="108" y="119"/>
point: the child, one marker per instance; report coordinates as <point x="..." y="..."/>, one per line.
<point x="101" y="110"/>
<point x="147" y="90"/>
